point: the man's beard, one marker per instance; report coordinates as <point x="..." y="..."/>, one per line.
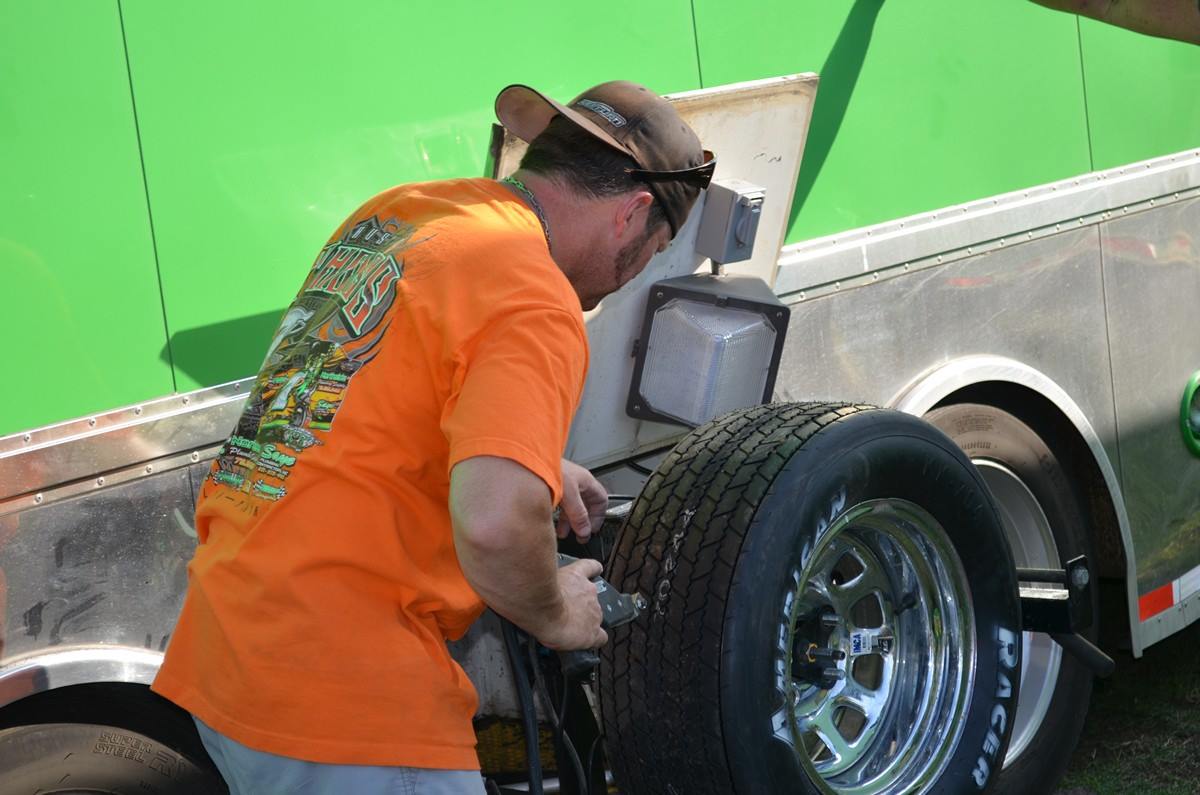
<point x="627" y="256"/>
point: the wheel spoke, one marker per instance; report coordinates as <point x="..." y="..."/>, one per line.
<point x="842" y="753"/>
<point x="807" y="710"/>
<point x="810" y="703"/>
<point x="871" y="581"/>
<point x="863" y="699"/>
<point x="821" y="579"/>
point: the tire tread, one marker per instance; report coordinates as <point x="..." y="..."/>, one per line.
<point x="698" y="505"/>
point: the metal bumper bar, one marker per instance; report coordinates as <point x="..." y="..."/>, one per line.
<point x="1062" y="612"/>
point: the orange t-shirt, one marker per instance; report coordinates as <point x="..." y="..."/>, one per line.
<point x="433" y="327"/>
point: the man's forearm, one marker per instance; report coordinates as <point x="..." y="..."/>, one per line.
<point x="504" y="538"/>
<point x="516" y="579"/>
<point x="505" y="544"/>
<point x="1172" y="19"/>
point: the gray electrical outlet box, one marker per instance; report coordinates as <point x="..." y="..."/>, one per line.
<point x="732" y="208"/>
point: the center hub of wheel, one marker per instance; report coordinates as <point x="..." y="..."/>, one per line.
<point x="818" y="653"/>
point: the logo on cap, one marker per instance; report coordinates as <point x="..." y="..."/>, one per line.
<point x="600" y="109"/>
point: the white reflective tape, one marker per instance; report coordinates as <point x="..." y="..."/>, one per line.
<point x="1188" y="585"/>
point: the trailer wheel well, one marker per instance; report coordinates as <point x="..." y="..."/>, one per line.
<point x="1060" y="434"/>
<point x="124" y="705"/>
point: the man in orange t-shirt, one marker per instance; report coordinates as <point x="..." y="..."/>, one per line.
<point x="396" y="465"/>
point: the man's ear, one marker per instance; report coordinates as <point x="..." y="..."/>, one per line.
<point x="631" y="212"/>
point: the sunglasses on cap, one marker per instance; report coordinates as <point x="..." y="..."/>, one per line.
<point x="698" y="176"/>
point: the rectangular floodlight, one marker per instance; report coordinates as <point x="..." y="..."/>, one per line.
<point x="709" y="344"/>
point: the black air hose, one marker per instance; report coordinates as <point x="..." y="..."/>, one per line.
<point x="533" y="760"/>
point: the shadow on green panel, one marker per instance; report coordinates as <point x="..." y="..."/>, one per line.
<point x="223" y="351"/>
<point x="839" y="75"/>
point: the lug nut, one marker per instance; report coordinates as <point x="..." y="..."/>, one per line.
<point x="817" y="654"/>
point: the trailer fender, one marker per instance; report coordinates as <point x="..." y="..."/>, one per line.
<point x="919" y="396"/>
<point x="42" y="671"/>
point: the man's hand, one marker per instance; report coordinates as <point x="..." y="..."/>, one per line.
<point x="584" y="502"/>
<point x="579" y="626"/>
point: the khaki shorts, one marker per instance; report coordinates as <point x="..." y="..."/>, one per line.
<point x="250" y="772"/>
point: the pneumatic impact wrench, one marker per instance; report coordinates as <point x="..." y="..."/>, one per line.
<point x="617" y="609"/>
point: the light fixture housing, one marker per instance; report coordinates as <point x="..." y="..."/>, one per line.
<point x="709" y="344"/>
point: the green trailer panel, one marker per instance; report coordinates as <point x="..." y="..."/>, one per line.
<point x="922" y="104"/>
<point x="1143" y="94"/>
<point x="85" y="323"/>
<point x="263" y="125"/>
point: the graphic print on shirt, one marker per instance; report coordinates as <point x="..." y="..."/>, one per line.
<point x="330" y="332"/>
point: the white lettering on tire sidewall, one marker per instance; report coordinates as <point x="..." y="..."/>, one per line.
<point x="1008" y="656"/>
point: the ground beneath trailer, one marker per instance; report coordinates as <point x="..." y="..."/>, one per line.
<point x="1143" y="729"/>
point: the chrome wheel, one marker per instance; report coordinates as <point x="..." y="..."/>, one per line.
<point x="1032" y="542"/>
<point x="882" y="651"/>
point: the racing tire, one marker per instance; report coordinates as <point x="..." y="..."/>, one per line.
<point x="1044" y="519"/>
<point x="766" y="543"/>
<point x="78" y="757"/>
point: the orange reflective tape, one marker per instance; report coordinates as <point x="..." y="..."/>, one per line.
<point x="1158" y="600"/>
